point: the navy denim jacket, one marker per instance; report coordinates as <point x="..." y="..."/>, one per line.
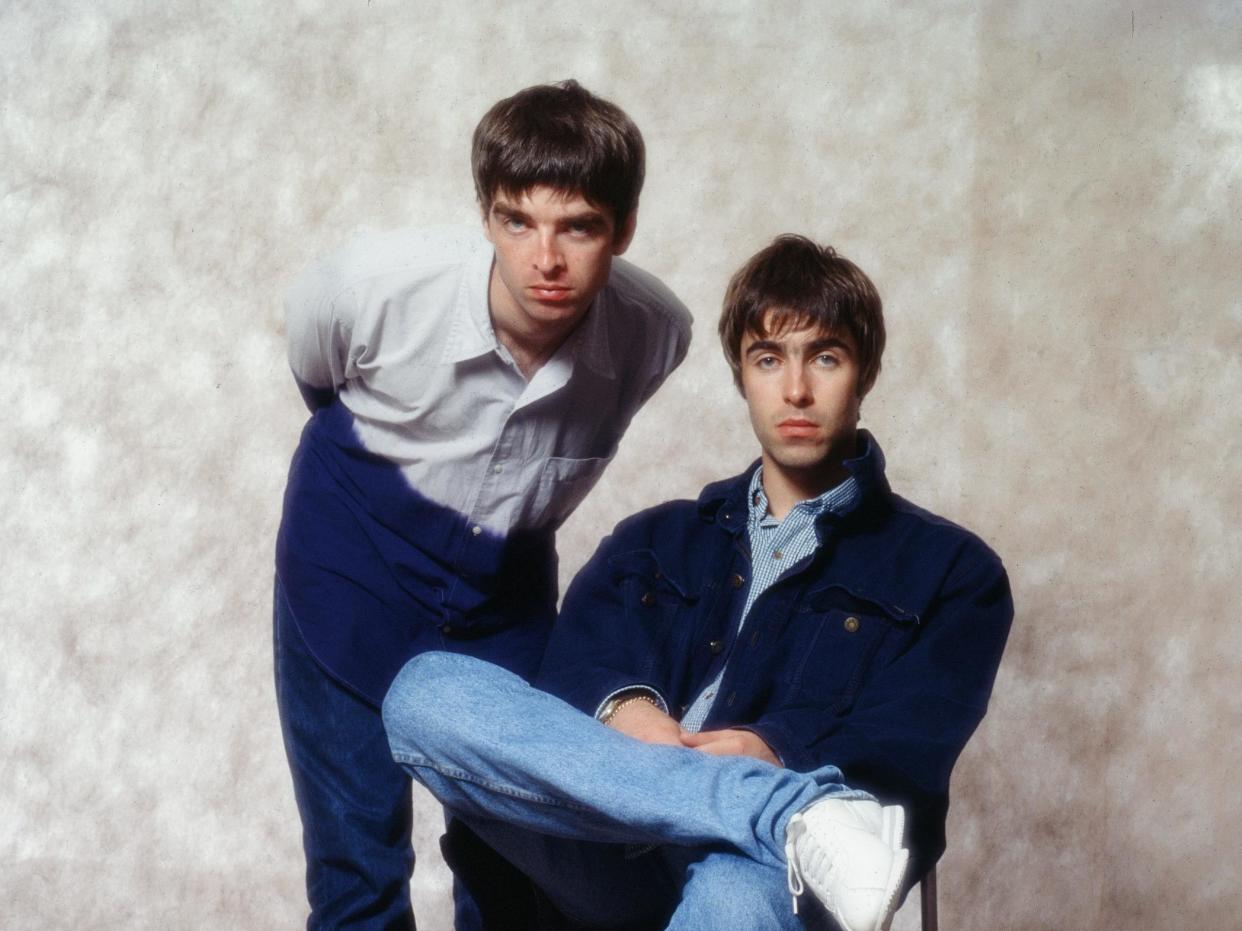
<point x="876" y="654"/>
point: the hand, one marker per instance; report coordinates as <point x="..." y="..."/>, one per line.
<point x="733" y="741"/>
<point x="644" y="721"/>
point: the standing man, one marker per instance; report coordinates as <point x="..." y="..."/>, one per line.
<point x="465" y="396"/>
<point x="787" y="668"/>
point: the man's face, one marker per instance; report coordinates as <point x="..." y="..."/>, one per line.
<point x="553" y="254"/>
<point x="801" y="386"/>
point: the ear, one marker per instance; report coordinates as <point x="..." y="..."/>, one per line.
<point x="625" y="235"/>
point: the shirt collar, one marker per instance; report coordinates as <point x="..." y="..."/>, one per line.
<point x="726" y="501"/>
<point x="470" y="325"/>
<point x="836" y="500"/>
<point x="591" y="343"/>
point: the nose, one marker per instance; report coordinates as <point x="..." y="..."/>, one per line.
<point x="797" y="387"/>
<point x="548" y="257"/>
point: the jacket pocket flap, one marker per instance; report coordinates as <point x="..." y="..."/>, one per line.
<point x="643" y="563"/>
<point x="842" y="598"/>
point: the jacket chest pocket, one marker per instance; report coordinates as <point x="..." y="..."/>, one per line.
<point x="844" y="636"/>
<point x="655" y="602"/>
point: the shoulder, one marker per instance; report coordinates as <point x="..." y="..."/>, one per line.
<point x="647" y="300"/>
<point x="658" y="524"/>
<point x="682" y="526"/>
<point x="395" y="257"/>
<point x="932" y="533"/>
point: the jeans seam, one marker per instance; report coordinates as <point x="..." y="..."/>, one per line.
<point x="499" y="788"/>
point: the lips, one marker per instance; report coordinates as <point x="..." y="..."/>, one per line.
<point x="796" y="427"/>
<point x="551" y="293"/>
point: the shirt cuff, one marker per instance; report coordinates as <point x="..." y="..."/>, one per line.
<point x="643" y="689"/>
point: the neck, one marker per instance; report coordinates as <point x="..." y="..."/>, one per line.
<point x="529" y="342"/>
<point x="786" y="486"/>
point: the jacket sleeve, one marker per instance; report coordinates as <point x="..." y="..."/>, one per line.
<point x="599" y="644"/>
<point x="911" y="718"/>
<point x="319" y="322"/>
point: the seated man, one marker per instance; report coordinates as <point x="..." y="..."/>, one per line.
<point x="757" y="688"/>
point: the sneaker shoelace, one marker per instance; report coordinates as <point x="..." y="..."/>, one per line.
<point x="794" y="869"/>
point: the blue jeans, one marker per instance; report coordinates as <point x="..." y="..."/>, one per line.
<point x="565" y="798"/>
<point x="354" y="803"/>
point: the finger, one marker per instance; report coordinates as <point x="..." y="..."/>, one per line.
<point x="728" y="746"/>
<point x="705" y="737"/>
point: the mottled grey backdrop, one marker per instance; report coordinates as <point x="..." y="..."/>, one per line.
<point x="1047" y="194"/>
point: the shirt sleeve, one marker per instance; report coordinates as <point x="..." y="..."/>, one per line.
<point x="320" y="311"/>
<point x="671" y="351"/>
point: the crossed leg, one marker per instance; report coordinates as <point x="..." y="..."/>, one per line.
<point x="529" y="773"/>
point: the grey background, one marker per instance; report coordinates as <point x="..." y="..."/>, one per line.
<point x="1047" y="194"/>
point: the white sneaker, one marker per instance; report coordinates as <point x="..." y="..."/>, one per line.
<point x="848" y="853"/>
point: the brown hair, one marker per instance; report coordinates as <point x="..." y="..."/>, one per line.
<point x="794" y="283"/>
<point x="563" y="136"/>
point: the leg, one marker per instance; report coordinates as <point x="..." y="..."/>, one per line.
<point x="489" y="893"/>
<point x="491" y="747"/>
<point x="726" y="890"/>
<point x="353" y="800"/>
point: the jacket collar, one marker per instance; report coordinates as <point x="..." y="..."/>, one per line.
<point x="725" y="501"/>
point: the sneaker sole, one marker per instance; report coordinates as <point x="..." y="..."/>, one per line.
<point x="895" y="875"/>
<point x="893" y="825"/>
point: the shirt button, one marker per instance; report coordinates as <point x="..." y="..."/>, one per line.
<point x="851" y="624"/>
<point x="648" y="599"/>
<point x="476" y="530"/>
<point x="497" y="469"/>
<point x="776" y="554"/>
<point x="736" y="580"/>
<point x="716" y="646"/>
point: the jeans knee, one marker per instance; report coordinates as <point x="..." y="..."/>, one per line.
<point x="414" y="709"/>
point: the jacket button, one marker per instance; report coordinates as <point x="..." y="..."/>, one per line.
<point x="446" y="630"/>
<point x="851" y="624"/>
<point x="736" y="580"/>
<point x="648" y="599"/>
<point x="716" y="646"/>
<point x="659" y="575"/>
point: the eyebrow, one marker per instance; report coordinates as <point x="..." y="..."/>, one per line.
<point x="509" y="211"/>
<point x="816" y="345"/>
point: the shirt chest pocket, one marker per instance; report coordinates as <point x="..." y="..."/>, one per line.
<point x="559" y="487"/>
<point x="844" y="636"/>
